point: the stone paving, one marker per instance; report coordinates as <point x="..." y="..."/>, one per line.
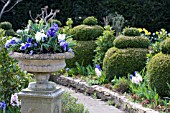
<point x="93" y="105"/>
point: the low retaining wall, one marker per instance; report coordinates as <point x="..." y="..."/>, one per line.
<point x="120" y="101"/>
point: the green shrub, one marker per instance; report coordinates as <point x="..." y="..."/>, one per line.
<point x="131" y="42"/>
<point x="10" y="32"/>
<point x="131" y="32"/>
<point x="85" y="32"/>
<point x="103" y="44"/>
<point x="6" y="25"/>
<point x="91" y="20"/>
<point x="84" y="53"/>
<point x="158" y="72"/>
<point x="165" y="46"/>
<point x="120" y="62"/>
<point x="56" y="21"/>
<point x="122" y="85"/>
<point x="70" y="105"/>
<point x="12" y="79"/>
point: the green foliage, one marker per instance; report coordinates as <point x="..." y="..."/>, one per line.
<point x="159" y="74"/>
<point x="12" y="79"/>
<point x="10" y="32"/>
<point x="58" y="22"/>
<point x="85" y="32"/>
<point x="165" y="46"/>
<point x="103" y="43"/>
<point x="6" y="25"/>
<point x="121" y="85"/>
<point x="120" y="62"/>
<point x="91" y="20"/>
<point x="83" y="53"/>
<point x="131" y="32"/>
<point x="131" y="42"/>
<point x="132" y="10"/>
<point x="81" y="70"/>
<point x="70" y="105"/>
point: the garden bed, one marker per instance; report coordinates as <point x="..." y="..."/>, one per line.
<point x="119" y="100"/>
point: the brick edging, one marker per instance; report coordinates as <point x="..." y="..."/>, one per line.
<point x="103" y="93"/>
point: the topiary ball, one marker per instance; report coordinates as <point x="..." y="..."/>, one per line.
<point x="84" y="53"/>
<point x="85" y="32"/>
<point x="165" y="46"/>
<point x="10" y="32"/>
<point x="131" y="42"/>
<point x="90" y="21"/>
<point x="120" y="62"/>
<point x="158" y="72"/>
<point x="6" y="25"/>
<point x="131" y="32"/>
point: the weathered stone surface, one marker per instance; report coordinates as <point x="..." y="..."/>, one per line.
<point x="40" y="102"/>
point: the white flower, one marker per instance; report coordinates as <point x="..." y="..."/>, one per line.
<point x="61" y="37"/>
<point x="26" y="30"/>
<point x="19" y="31"/>
<point x="139" y="77"/>
<point x="39" y="36"/>
<point x="16" y="39"/>
<point x="98" y="72"/>
<point x="14" y="100"/>
<point x="135" y="80"/>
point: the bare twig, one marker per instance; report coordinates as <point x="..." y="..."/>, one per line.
<point x="12" y="6"/>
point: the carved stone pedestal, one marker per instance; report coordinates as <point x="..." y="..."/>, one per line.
<point x="40" y="101"/>
<point x="41" y="96"/>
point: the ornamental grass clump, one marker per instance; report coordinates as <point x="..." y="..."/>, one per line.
<point x="38" y="38"/>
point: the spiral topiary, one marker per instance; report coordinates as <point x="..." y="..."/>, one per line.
<point x="158" y="72"/>
<point x="84" y="53"/>
<point x="131" y="32"/>
<point x="131" y="42"/>
<point x="120" y="62"/>
<point x="90" y="21"/>
<point x="165" y="46"/>
<point x="85" y="32"/>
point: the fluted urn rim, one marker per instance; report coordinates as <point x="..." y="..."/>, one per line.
<point x="47" y="56"/>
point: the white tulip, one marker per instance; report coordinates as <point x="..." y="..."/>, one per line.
<point x="39" y="36"/>
<point x="61" y="37"/>
<point x="98" y="72"/>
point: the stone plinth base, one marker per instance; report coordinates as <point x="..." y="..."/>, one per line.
<point x="41" y="101"/>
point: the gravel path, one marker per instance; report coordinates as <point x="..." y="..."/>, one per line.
<point x="93" y="105"/>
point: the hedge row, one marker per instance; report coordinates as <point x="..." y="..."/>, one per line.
<point x="139" y="13"/>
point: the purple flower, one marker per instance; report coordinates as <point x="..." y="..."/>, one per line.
<point x="27" y="45"/>
<point x="67" y="69"/>
<point x="2" y="105"/>
<point x="8" y="43"/>
<point x="31" y="52"/>
<point x="29" y="40"/>
<point x="13" y="42"/>
<point x="52" y="31"/>
<point x="70" y="50"/>
<point x="64" y="45"/>
<point x="98" y="67"/>
<point x="35" y="45"/>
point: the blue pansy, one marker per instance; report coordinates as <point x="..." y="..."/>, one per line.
<point x="31" y="52"/>
<point x="2" y="105"/>
<point x="13" y="42"/>
<point x="35" y="44"/>
<point x="8" y="43"/>
<point x="64" y="45"/>
<point x="98" y="67"/>
<point x="23" y="47"/>
<point x="29" y="40"/>
<point x="27" y="45"/>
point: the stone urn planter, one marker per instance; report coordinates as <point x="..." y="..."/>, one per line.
<point x="41" y="96"/>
